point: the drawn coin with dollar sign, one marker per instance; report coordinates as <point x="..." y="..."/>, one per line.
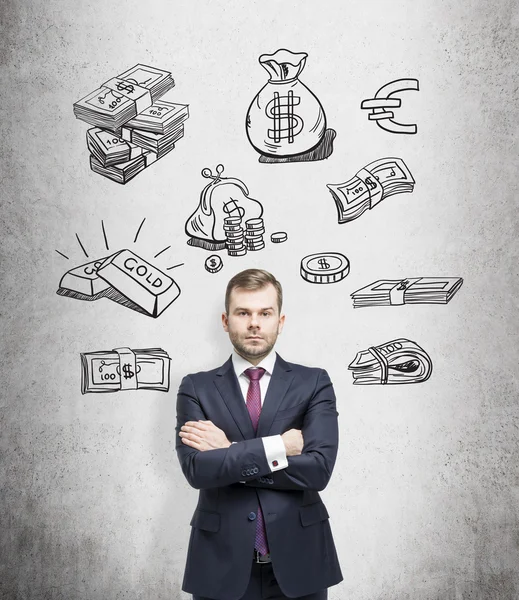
<point x="214" y="263"/>
<point x="325" y="267"/>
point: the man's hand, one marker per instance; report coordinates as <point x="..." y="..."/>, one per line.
<point x="293" y="440"/>
<point x="203" y="435"/>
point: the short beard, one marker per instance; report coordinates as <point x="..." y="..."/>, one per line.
<point x="253" y="353"/>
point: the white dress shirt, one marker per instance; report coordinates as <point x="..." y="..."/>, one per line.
<point x="273" y="444"/>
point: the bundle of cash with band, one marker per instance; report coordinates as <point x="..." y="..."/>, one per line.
<point x="372" y="184"/>
<point x="124" y="278"/>
<point x="134" y="130"/>
<point x="125" y="369"/>
<point x="122" y="158"/>
<point x="123" y="97"/>
<point x="398" y="361"/>
<point x="418" y="290"/>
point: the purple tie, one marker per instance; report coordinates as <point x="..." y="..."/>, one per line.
<point x="254" y="408"/>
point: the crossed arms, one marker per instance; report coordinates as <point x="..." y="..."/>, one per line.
<point x="228" y="464"/>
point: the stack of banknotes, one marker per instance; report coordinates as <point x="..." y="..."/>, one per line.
<point x="132" y="127"/>
<point x="413" y="290"/>
<point x="125" y="369"/>
<point x="375" y="182"/>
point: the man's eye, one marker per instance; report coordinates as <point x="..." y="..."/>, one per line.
<point x="266" y="314"/>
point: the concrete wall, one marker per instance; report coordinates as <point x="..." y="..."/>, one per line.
<point x="424" y="497"/>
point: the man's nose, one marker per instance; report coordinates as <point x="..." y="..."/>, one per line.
<point x="254" y="321"/>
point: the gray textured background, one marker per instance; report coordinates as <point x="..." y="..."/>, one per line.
<point x="425" y="495"/>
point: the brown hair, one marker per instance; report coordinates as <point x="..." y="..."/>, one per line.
<point x="253" y="279"/>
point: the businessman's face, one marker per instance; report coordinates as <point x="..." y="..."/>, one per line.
<point x="253" y="322"/>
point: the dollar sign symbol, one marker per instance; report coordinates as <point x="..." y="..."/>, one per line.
<point x="123" y="85"/>
<point x="213" y="263"/>
<point x="127" y="370"/>
<point x="323" y="263"/>
<point x="233" y="207"/>
<point x="370" y="183"/>
<point x="286" y="124"/>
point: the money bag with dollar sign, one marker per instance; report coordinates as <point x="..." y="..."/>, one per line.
<point x="285" y="118"/>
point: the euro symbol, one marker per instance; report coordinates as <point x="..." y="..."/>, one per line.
<point x="382" y="101"/>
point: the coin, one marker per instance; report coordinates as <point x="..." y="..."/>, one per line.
<point x="253" y="223"/>
<point x="325" y="267"/>
<point x="257" y="247"/>
<point x="232" y="220"/>
<point x="214" y="263"/>
<point x="278" y="237"/>
<point x="241" y="252"/>
<point x="231" y="246"/>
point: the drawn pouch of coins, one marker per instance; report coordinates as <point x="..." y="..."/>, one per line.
<point x="222" y="197"/>
<point x="285" y="118"/>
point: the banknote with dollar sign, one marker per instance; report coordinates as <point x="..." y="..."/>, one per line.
<point x="368" y="187"/>
<point x="123" y="97"/>
<point x="125" y="369"/>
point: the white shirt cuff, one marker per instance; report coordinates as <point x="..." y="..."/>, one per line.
<point x="275" y="452"/>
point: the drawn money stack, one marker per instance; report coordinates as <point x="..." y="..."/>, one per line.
<point x="372" y="184"/>
<point x="397" y="361"/>
<point x="132" y="127"/>
<point x="417" y="290"/>
<point x="125" y="369"/>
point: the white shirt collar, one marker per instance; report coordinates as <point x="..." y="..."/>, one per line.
<point x="240" y="364"/>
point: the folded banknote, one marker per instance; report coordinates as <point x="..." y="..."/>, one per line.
<point x="398" y="361"/>
<point x="125" y="369"/>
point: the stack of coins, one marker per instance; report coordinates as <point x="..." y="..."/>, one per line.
<point x="254" y="230"/>
<point x="234" y="240"/>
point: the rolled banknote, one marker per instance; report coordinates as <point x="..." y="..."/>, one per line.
<point x="398" y="361"/>
<point x="125" y="369"/>
<point x="372" y="184"/>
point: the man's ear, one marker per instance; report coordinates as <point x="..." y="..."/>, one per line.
<point x="281" y="323"/>
<point x="225" y="322"/>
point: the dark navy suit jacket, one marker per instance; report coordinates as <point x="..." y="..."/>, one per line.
<point x="219" y="558"/>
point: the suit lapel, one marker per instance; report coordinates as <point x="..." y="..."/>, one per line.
<point x="229" y="389"/>
<point x="279" y="383"/>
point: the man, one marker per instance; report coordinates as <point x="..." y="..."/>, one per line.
<point x="258" y="437"/>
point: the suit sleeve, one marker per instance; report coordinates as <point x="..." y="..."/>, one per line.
<point x="242" y="461"/>
<point x="312" y="469"/>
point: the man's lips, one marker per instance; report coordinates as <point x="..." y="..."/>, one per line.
<point x="254" y="337"/>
